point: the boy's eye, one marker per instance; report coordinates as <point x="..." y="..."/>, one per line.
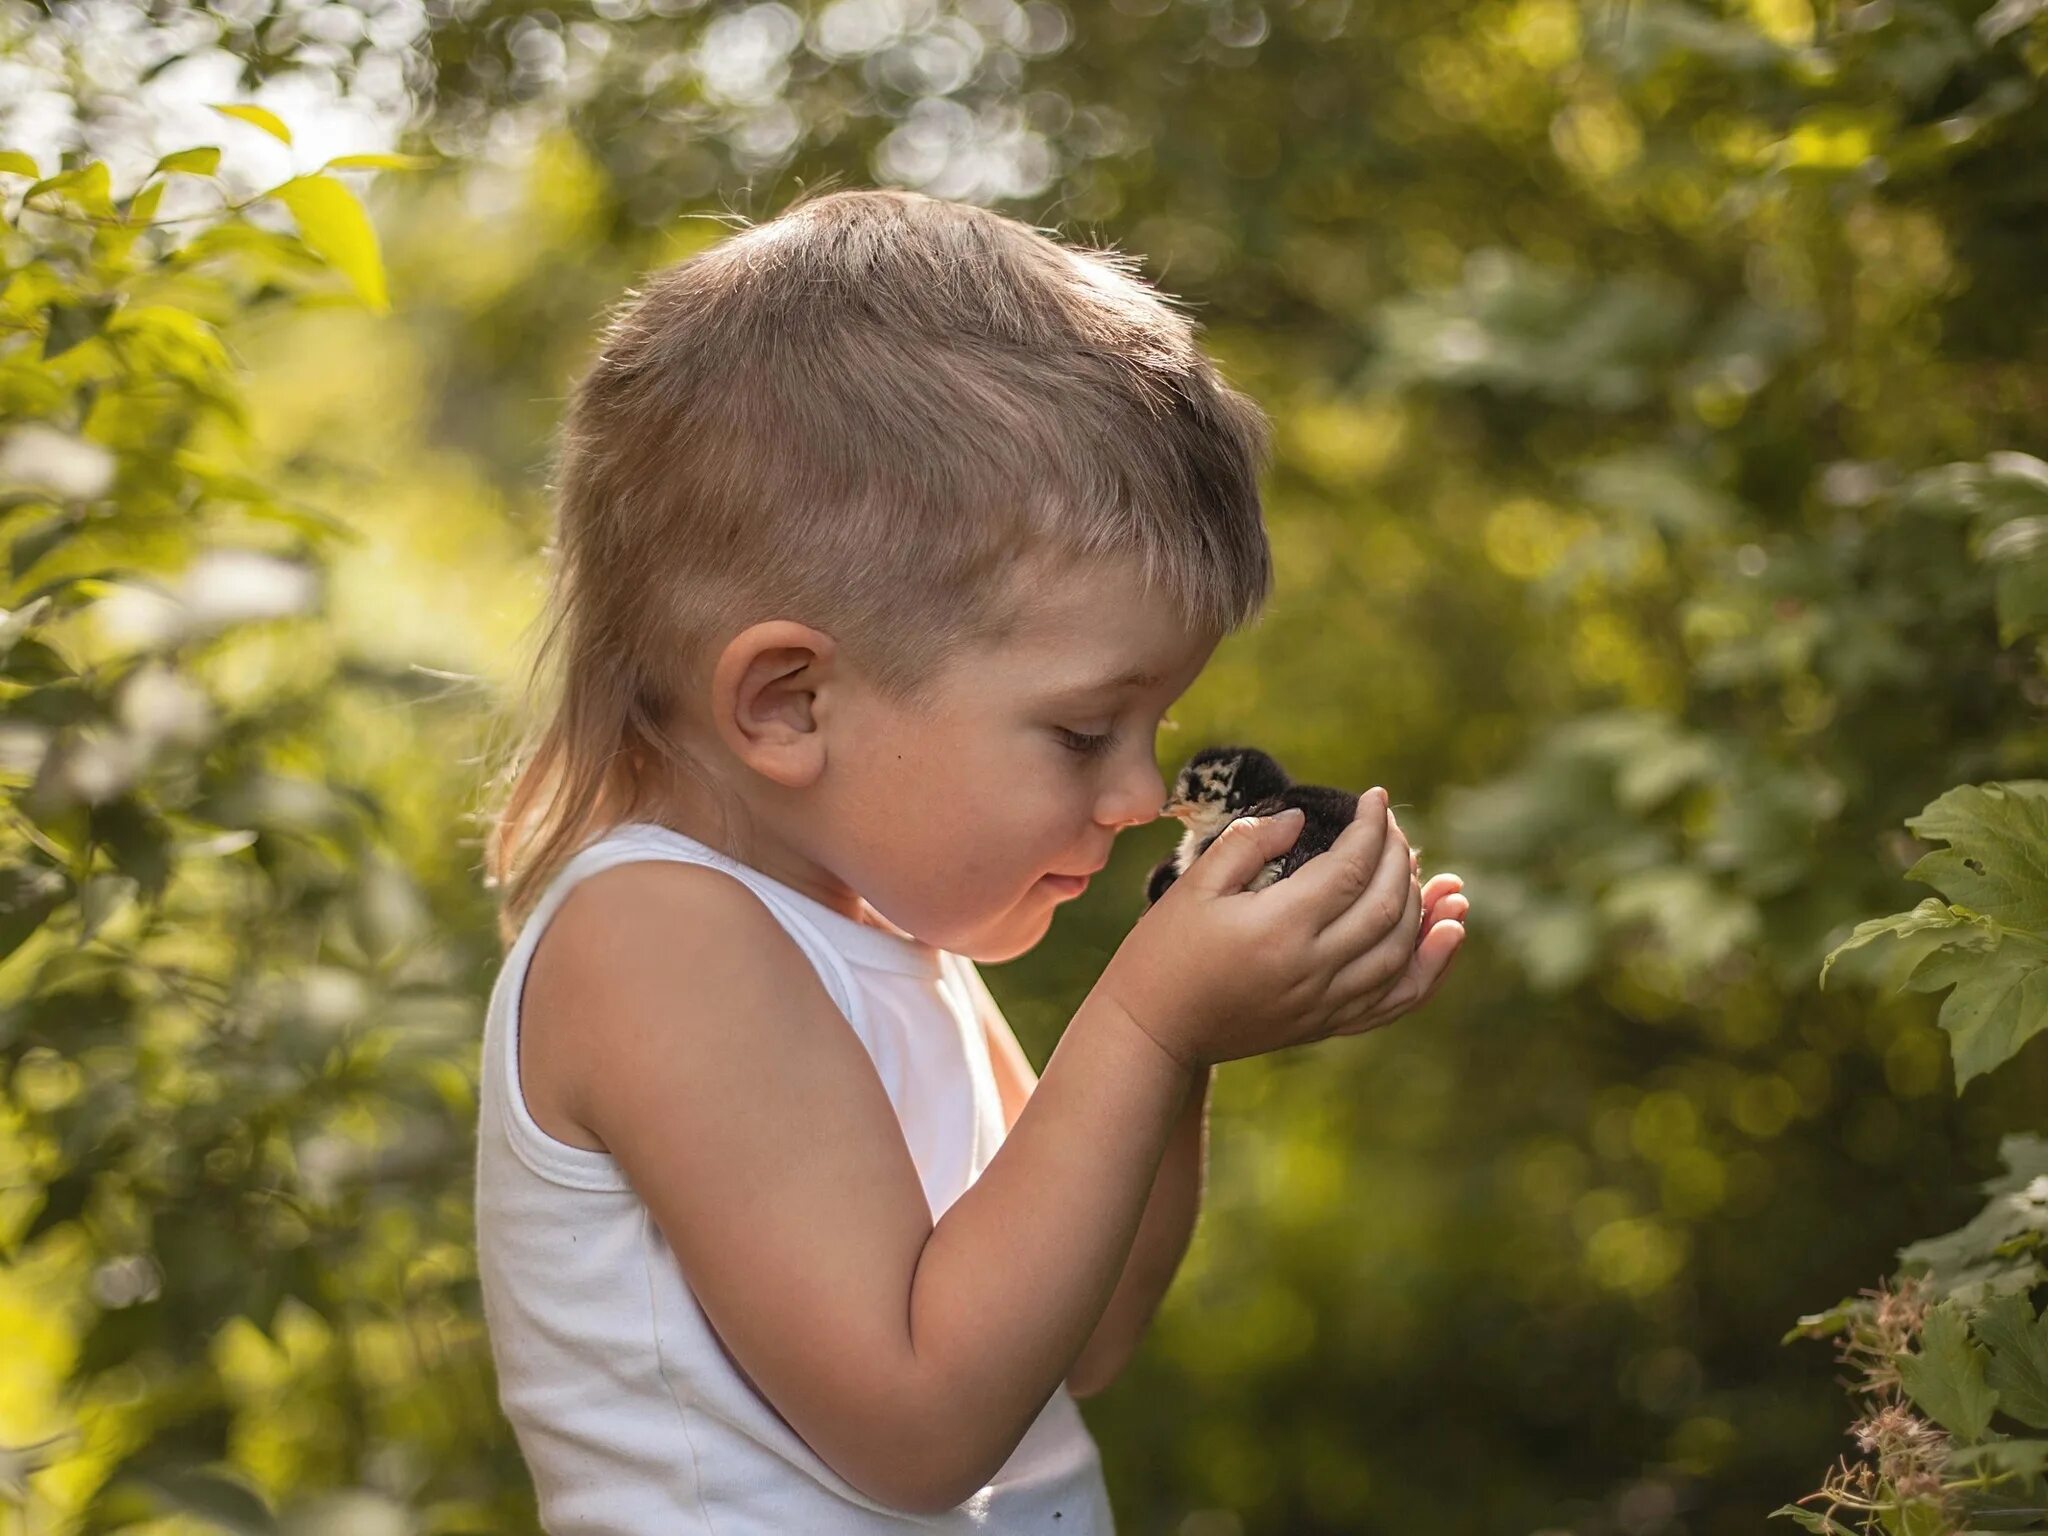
<point x="1086" y="745"/>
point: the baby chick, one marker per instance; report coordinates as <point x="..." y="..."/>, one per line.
<point x="1218" y="785"/>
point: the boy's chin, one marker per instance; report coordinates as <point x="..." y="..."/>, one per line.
<point x="1019" y="932"/>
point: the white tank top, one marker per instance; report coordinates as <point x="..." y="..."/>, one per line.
<point x="630" y="1415"/>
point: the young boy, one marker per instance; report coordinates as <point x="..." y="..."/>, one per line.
<point x="889" y="530"/>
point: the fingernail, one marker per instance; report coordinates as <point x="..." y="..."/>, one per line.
<point x="1294" y="811"/>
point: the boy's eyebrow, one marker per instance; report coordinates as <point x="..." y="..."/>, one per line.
<point x="1133" y="677"/>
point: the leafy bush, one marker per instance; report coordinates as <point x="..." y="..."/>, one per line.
<point x="231" y="1042"/>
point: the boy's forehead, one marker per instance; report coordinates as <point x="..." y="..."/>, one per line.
<point x="1099" y="633"/>
<point x="1063" y="597"/>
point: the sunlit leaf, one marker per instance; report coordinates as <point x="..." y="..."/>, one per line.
<point x="382" y="162"/>
<point x="333" y="224"/>
<point x="143" y="205"/>
<point x="262" y="117"/>
<point x="89" y="185"/>
<point x="203" y="161"/>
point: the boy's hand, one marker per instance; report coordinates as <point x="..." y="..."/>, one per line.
<point x="1214" y="972"/>
<point x="1444" y="905"/>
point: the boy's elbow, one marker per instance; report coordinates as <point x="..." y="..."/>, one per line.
<point x="917" y="1464"/>
<point x="922" y="1481"/>
<point x="936" y="1460"/>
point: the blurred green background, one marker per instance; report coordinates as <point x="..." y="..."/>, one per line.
<point x="1652" y="383"/>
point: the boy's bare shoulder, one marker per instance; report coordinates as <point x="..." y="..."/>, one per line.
<point x="626" y="941"/>
<point x="643" y="893"/>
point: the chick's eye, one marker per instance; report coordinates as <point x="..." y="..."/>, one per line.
<point x="1086" y="745"/>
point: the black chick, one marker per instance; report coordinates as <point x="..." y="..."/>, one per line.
<point x="1220" y="784"/>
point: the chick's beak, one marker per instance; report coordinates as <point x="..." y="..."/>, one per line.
<point x="1177" y="809"/>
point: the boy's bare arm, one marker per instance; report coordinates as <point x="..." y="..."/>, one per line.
<point x="717" y="1071"/>
<point x="1163" y="1232"/>
<point x="1162" y="1242"/>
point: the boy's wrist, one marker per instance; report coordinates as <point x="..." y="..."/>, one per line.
<point x="1186" y="1078"/>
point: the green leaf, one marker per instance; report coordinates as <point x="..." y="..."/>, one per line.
<point x="33" y="543"/>
<point x="1821" y="1325"/>
<point x="14" y="163"/>
<point x="2000" y="1001"/>
<point x="1997" y="859"/>
<point x="1946" y="1377"/>
<point x="2019" y="1358"/>
<point x="143" y="205"/>
<point x="116" y="1337"/>
<point x="64" y="1199"/>
<point x="2004" y="1458"/>
<point x="88" y="185"/>
<point x="18" y="623"/>
<point x="171" y="341"/>
<point x="1813" y="1520"/>
<point x="71" y="324"/>
<point x="1914" y="1517"/>
<point x="2004" y="486"/>
<point x="334" y="226"/>
<point x="31" y="661"/>
<point x="204" y="161"/>
<point x="2017" y="551"/>
<point x="382" y="162"/>
<point x="1930" y="926"/>
<point x="138" y="841"/>
<point x="247" y="112"/>
<point x="214" y="1497"/>
<point x="1989" y="940"/>
<point x="28" y="895"/>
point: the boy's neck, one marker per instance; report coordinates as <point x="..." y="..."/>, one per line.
<point x="690" y="814"/>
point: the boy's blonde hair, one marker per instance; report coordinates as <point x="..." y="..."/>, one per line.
<point x="868" y="413"/>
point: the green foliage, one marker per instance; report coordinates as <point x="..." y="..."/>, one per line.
<point x="1995" y="1251"/>
<point x="1651" y="384"/>
<point x="1947" y="1377"/>
<point x="228" y="1037"/>
<point x="1989" y="940"/>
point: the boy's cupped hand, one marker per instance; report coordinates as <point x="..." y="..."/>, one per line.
<point x="1348" y="942"/>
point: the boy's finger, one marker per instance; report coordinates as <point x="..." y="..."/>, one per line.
<point x="1242" y="849"/>
<point x="1448" y="904"/>
<point x="1425" y="973"/>
<point x="1441" y="963"/>
<point x="1389" y="913"/>
<point x="1350" y="926"/>
<point x="1330" y="882"/>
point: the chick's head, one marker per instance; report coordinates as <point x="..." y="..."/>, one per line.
<point x="1218" y="784"/>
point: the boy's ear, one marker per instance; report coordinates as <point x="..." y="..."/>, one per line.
<point x="765" y="694"/>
